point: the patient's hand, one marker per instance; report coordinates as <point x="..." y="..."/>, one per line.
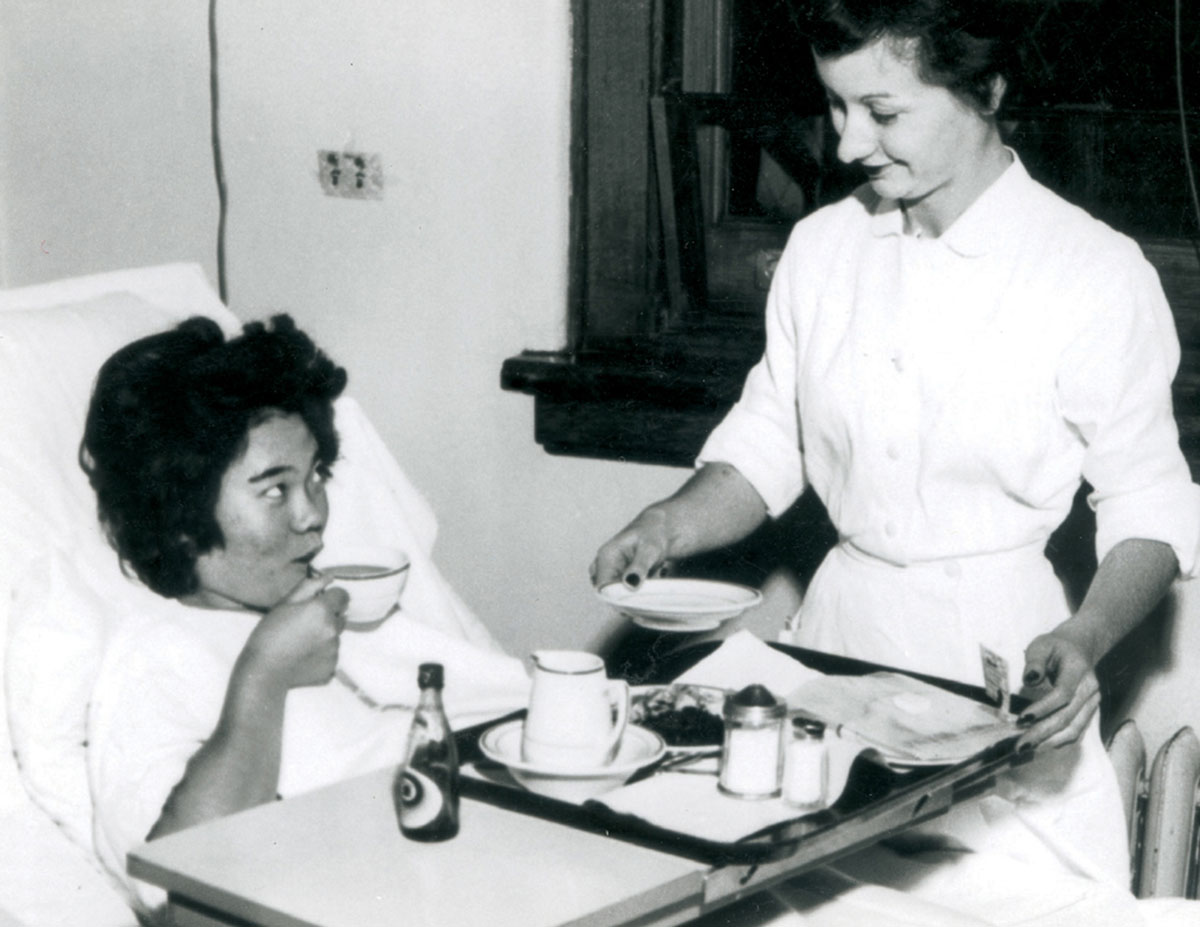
<point x="296" y="642"/>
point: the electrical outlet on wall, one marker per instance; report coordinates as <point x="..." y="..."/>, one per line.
<point x="351" y="174"/>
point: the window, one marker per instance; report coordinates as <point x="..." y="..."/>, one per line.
<point x="699" y="136"/>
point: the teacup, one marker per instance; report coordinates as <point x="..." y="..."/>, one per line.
<point x="576" y="713"/>
<point x="373" y="576"/>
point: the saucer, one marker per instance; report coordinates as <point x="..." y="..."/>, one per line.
<point x="639" y="747"/>
<point x="680" y="605"/>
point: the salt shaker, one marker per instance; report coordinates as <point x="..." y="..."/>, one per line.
<point x="752" y="758"/>
<point x="806" y="767"/>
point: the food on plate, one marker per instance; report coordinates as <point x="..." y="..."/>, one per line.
<point x="682" y="715"/>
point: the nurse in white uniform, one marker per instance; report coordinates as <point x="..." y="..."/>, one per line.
<point x="950" y="351"/>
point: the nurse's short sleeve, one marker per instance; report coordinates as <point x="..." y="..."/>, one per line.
<point x="1114" y="387"/>
<point x="760" y="435"/>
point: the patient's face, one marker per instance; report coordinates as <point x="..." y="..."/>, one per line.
<point x="272" y="510"/>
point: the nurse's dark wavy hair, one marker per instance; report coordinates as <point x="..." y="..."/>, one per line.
<point x="961" y="45"/>
<point x="171" y="412"/>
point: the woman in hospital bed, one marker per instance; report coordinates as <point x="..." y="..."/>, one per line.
<point x="214" y="463"/>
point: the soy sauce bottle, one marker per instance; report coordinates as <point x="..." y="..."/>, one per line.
<point x="425" y="791"/>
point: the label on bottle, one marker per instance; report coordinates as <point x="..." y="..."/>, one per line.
<point x="420" y="799"/>
<point x="427" y="802"/>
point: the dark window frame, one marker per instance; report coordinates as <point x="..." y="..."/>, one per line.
<point x="643" y="377"/>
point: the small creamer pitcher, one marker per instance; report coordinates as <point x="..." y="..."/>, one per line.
<point x="576" y="713"/>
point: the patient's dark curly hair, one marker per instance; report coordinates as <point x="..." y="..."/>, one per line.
<point x="171" y="412"/>
<point x="960" y="44"/>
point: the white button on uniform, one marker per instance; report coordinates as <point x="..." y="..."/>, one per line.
<point x="952" y="569"/>
<point x="893" y="452"/>
<point x="890" y="529"/>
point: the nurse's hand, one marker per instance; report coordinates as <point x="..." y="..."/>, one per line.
<point x="638" y="550"/>
<point x="716" y="507"/>
<point x="1059" y="677"/>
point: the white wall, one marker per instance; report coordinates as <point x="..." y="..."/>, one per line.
<point x="105" y="162"/>
<point x="424" y="293"/>
<point x="104" y="137"/>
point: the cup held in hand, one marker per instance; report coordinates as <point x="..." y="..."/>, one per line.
<point x="373" y="576"/>
<point x="576" y="714"/>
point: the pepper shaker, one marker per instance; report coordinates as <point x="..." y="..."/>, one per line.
<point x="806" y="776"/>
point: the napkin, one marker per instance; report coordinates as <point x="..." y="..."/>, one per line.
<point x="743" y="659"/>
<point x="905" y="718"/>
<point x="692" y="804"/>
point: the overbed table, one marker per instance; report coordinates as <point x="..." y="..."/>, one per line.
<point x="335" y="857"/>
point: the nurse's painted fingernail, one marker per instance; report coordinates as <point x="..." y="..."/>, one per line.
<point x="1025" y="720"/>
<point x="1032" y="678"/>
<point x="632" y="579"/>
<point x="1026" y="747"/>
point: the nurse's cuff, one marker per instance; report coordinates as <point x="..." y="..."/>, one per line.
<point x="762" y="454"/>
<point x="1166" y="512"/>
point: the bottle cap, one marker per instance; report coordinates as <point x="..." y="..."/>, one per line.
<point x="429" y="676"/>
<point x="808" y="726"/>
<point x="755" y="703"/>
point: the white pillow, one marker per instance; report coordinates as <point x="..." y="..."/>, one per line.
<point x="53" y="338"/>
<point x="49" y="356"/>
<point x="49" y="359"/>
<point x="57" y="632"/>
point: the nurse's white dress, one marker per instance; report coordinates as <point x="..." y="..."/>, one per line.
<point x="944" y="397"/>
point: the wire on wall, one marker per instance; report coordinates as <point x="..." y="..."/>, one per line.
<point x="1183" y="123"/>
<point x="218" y="164"/>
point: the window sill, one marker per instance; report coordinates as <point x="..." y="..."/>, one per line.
<point x="646" y="408"/>
<point x="657" y="411"/>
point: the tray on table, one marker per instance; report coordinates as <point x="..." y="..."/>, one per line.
<point x="877" y="802"/>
